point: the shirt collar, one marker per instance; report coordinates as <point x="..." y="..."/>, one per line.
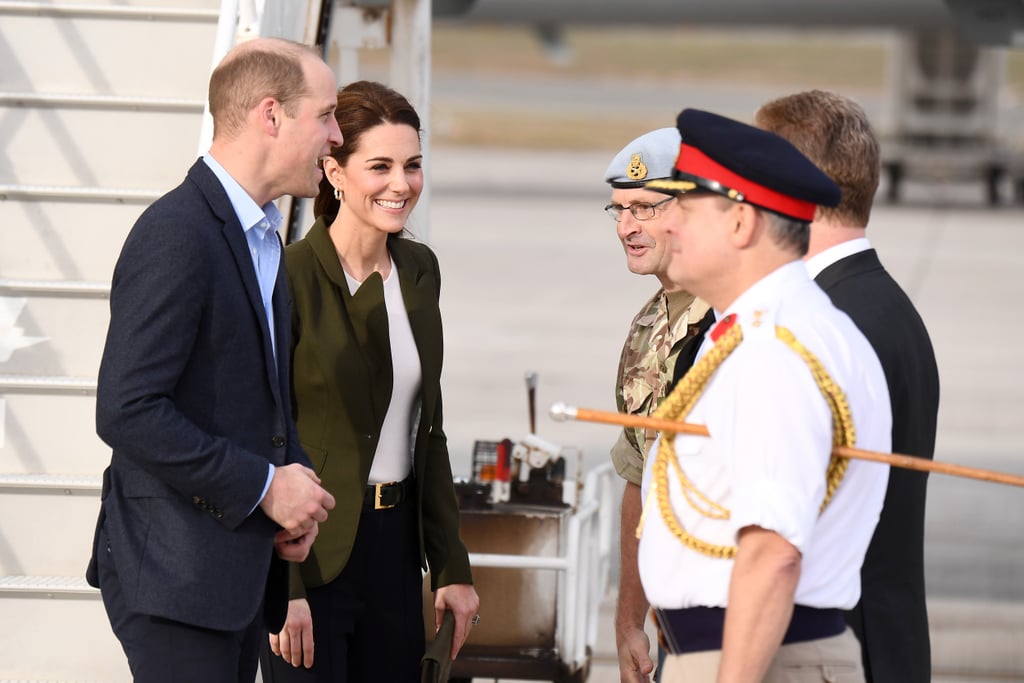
<point x="250" y="215"/>
<point x="823" y="260"/>
<point x="767" y="292"/>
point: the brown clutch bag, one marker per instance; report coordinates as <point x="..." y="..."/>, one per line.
<point x="437" y="660"/>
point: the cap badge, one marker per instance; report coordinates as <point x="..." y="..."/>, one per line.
<point x="636" y="169"/>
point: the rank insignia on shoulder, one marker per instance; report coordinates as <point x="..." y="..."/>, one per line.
<point x="762" y="320"/>
<point x="636" y="169"/>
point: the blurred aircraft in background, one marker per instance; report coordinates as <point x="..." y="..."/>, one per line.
<point x="992" y="22"/>
<point x="944" y="86"/>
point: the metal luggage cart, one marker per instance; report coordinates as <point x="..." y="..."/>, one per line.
<point x="541" y="572"/>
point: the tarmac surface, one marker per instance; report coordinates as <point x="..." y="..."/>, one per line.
<point x="534" y="279"/>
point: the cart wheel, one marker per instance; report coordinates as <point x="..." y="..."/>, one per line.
<point x="993" y="177"/>
<point x="895" y="173"/>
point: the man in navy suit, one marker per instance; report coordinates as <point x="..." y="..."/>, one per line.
<point x="891" y="619"/>
<point x="208" y="492"/>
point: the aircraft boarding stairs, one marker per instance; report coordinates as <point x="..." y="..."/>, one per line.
<point x="101" y="110"/>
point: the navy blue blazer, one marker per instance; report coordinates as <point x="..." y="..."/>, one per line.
<point x="891" y="619"/>
<point x="194" y="406"/>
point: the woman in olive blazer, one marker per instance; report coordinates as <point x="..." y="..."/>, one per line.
<point x="358" y="595"/>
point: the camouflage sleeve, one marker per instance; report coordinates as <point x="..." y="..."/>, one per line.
<point x="628" y="461"/>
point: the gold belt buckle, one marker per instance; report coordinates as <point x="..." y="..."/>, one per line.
<point x="378" y="489"/>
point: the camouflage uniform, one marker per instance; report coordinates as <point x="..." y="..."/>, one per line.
<point x="645" y="371"/>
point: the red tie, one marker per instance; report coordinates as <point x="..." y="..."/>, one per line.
<point x="723" y="326"/>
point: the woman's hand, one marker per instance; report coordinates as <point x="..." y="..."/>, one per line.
<point x="462" y="600"/>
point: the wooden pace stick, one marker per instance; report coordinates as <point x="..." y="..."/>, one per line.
<point x="562" y="412"/>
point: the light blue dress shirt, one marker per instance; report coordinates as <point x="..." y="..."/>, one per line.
<point x="260" y="225"/>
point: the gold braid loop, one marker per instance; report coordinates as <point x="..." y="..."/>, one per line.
<point x="843" y="432"/>
<point x="680" y="402"/>
<point x="676" y="406"/>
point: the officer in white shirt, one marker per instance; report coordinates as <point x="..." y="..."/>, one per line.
<point x="753" y="538"/>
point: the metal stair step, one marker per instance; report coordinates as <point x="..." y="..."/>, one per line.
<point x="68" y="10"/>
<point x="51" y="483"/>
<point x="59" y="288"/>
<point x="98" y="194"/>
<point x="106" y="102"/>
<point x="48" y="586"/>
<point x="50" y="385"/>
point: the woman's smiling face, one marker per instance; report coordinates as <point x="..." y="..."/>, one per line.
<point x="383" y="178"/>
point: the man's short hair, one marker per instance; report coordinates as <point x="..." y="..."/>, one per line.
<point x="264" y="67"/>
<point x="834" y="132"/>
<point x="788" y="233"/>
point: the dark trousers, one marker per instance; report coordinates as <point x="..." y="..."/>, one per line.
<point x="164" y="651"/>
<point x="367" y="622"/>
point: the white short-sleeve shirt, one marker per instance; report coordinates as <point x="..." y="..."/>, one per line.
<point x="769" y="451"/>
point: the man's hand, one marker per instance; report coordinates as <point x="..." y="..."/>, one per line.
<point x="295" y="499"/>
<point x="295" y="642"/>
<point x="631" y="641"/>
<point x="635" y="665"/>
<point x="294" y="548"/>
<point x="462" y="600"/>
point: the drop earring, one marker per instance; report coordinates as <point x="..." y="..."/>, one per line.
<point x="339" y="195"/>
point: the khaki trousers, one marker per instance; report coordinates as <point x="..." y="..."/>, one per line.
<point x="828" y="660"/>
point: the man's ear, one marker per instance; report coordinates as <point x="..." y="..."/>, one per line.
<point x="268" y="113"/>
<point x="746" y="224"/>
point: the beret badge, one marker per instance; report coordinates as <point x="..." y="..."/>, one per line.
<point x="636" y="170"/>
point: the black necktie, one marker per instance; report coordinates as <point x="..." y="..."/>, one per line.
<point x="694" y="336"/>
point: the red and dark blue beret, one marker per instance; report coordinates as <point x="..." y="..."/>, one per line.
<point x="746" y="164"/>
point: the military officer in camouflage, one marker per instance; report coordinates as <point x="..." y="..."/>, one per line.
<point x="666" y="324"/>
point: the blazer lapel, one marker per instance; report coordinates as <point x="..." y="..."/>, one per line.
<point x="369" y="318"/>
<point x="234" y="236"/>
<point x="366" y="321"/>
<point x="420" y="295"/>
<point x="282" y="307"/>
<point x="424" y="317"/>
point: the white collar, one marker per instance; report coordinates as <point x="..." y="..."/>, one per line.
<point x="823" y="260"/>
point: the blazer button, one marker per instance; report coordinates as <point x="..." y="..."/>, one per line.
<point x="277" y="441"/>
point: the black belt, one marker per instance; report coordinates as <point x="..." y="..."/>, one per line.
<point x="388" y="495"/>
<point x="698" y="629"/>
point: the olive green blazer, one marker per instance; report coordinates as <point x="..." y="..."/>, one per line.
<point x="342" y="380"/>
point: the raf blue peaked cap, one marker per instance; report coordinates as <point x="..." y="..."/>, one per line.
<point x="649" y="157"/>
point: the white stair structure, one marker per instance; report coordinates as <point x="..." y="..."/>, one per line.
<point x="101" y="109"/>
<point x="101" y="112"/>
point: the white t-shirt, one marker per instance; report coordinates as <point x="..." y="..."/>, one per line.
<point x="392" y="461"/>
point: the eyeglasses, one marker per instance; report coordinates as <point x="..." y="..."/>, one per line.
<point x="642" y="211"/>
